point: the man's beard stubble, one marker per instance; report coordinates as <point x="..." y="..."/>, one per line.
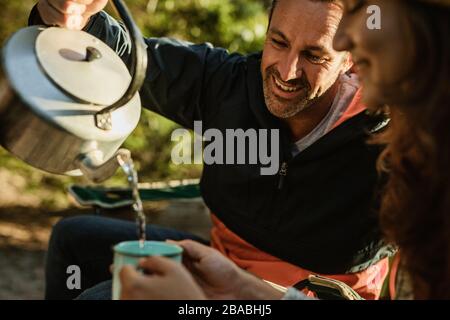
<point x="283" y="108"/>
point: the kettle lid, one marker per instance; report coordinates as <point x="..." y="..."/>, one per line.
<point x="82" y="66"/>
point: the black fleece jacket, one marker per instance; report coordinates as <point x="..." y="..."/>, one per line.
<point x="319" y="214"/>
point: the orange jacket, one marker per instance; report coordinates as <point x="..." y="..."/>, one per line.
<point x="367" y="283"/>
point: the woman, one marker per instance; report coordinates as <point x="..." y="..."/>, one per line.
<point x="406" y="66"/>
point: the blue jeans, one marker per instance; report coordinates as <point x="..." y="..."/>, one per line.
<point x="86" y="242"/>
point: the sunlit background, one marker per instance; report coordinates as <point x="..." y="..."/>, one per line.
<point x="31" y="201"/>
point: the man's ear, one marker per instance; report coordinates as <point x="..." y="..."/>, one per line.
<point x="348" y="63"/>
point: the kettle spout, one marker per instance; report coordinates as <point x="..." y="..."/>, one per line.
<point x="95" y="169"/>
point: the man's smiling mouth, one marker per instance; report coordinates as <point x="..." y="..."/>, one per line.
<point x="285" y="88"/>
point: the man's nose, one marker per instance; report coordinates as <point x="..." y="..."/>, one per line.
<point x="290" y="68"/>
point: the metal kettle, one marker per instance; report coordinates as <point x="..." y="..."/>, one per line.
<point x="69" y="101"/>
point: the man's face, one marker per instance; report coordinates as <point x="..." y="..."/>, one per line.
<point x="299" y="63"/>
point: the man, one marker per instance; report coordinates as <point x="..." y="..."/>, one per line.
<point x="318" y="214"/>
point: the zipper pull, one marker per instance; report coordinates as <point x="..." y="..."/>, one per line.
<point x="283" y="173"/>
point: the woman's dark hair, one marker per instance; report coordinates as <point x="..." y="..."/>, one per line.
<point x="415" y="208"/>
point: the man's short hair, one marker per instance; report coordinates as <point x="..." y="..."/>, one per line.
<point x="275" y="2"/>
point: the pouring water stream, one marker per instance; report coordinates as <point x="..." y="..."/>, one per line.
<point x="127" y="165"/>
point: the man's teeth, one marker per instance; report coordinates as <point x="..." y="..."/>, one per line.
<point x="285" y="88"/>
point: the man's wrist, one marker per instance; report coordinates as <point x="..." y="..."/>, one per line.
<point x="253" y="288"/>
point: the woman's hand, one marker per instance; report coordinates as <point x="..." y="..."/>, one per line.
<point x="73" y="14"/>
<point x="168" y="280"/>
<point x="206" y="274"/>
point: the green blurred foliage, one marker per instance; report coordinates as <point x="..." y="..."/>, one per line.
<point x="238" y="25"/>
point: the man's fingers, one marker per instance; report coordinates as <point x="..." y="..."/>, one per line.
<point x="52" y="16"/>
<point x="71" y="14"/>
<point x="130" y="277"/>
<point x="131" y="282"/>
<point x="158" y="265"/>
<point x="96" y="6"/>
<point x="49" y="14"/>
<point x="194" y="250"/>
<point x="68" y="7"/>
<point x="84" y="2"/>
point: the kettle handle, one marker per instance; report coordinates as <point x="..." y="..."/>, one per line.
<point x="138" y="62"/>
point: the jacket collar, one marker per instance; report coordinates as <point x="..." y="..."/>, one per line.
<point x="361" y="124"/>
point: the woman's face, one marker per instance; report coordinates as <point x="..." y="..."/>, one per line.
<point x="382" y="57"/>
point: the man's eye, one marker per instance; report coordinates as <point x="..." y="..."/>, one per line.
<point x="279" y="43"/>
<point x="315" y="59"/>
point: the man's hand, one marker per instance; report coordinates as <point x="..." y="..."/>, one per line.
<point x="220" y="278"/>
<point x="72" y="14"/>
<point x="168" y="280"/>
